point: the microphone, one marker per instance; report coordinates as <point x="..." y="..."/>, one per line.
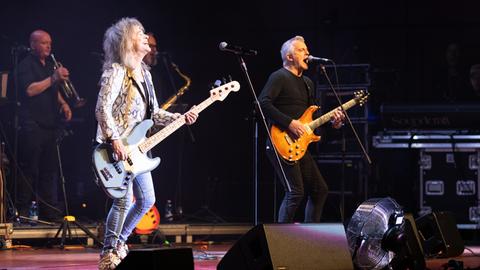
<point x="224" y="46"/>
<point x="312" y="58"/>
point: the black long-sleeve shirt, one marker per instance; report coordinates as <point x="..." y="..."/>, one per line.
<point x="42" y="108"/>
<point x="286" y="97"/>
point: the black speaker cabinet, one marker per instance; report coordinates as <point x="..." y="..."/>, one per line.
<point x="290" y="247"/>
<point x="158" y="258"/>
<point x="440" y="235"/>
<point x="410" y="254"/>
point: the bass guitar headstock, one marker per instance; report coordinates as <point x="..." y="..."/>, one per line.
<point x="222" y="91"/>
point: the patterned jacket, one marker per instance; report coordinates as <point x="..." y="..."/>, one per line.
<point x="114" y="101"/>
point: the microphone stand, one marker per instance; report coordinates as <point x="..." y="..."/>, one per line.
<point x="68" y="220"/>
<point x="367" y="157"/>
<point x="167" y="63"/>
<point x="243" y="66"/>
<point x="16" y="55"/>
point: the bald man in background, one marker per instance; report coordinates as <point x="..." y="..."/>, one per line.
<point x="41" y="109"/>
<point x="151" y="58"/>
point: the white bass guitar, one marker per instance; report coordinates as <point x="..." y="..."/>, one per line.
<point x="114" y="176"/>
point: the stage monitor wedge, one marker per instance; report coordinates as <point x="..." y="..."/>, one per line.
<point x="159" y="259"/>
<point x="289" y="247"/>
<point x="439" y="233"/>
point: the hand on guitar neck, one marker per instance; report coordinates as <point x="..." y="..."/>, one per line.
<point x="191" y="116"/>
<point x="338" y="118"/>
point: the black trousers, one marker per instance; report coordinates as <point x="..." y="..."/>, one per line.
<point x="38" y="169"/>
<point x="306" y="182"/>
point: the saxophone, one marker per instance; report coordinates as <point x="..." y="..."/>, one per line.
<point x="180" y="92"/>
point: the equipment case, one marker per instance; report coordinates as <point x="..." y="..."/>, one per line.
<point x="449" y="181"/>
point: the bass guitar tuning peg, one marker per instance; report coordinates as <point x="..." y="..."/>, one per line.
<point x="216" y="84"/>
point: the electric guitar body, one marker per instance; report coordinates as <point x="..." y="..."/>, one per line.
<point x="291" y="149"/>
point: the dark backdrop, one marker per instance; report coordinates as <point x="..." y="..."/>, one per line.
<point x="211" y="164"/>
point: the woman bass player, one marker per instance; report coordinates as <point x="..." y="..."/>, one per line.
<point x="125" y="99"/>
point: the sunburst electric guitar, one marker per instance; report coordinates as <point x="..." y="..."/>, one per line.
<point x="114" y="176"/>
<point x="294" y="149"/>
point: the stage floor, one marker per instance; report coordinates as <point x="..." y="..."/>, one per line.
<point x="33" y="247"/>
<point x="206" y="257"/>
<point x="78" y="257"/>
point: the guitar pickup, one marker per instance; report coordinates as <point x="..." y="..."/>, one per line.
<point x="130" y="162"/>
<point x="288" y="139"/>
<point x="106" y="174"/>
<point x="117" y="167"/>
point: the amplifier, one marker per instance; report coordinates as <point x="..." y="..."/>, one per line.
<point x="349" y="75"/>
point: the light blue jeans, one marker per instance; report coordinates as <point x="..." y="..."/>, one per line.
<point x="124" y="214"/>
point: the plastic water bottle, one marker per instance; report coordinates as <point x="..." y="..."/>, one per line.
<point x="179" y="212"/>
<point x="33" y="213"/>
<point x="168" y="215"/>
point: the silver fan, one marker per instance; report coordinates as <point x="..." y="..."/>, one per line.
<point x="375" y="232"/>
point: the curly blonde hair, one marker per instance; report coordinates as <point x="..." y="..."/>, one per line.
<point x="118" y="42"/>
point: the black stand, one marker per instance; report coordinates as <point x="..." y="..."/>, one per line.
<point x="181" y="108"/>
<point x="342" y="183"/>
<point x="243" y="66"/>
<point x="69" y="220"/>
<point x="167" y="63"/>
<point x="3" y="186"/>
<point x="204" y="213"/>
<point x="207" y="215"/>
<point x="342" y="179"/>
<point x="16" y="52"/>
<point x="255" y="165"/>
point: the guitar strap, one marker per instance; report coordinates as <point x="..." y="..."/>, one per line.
<point x="311" y="94"/>
<point x="149" y="86"/>
<point x="147" y="96"/>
